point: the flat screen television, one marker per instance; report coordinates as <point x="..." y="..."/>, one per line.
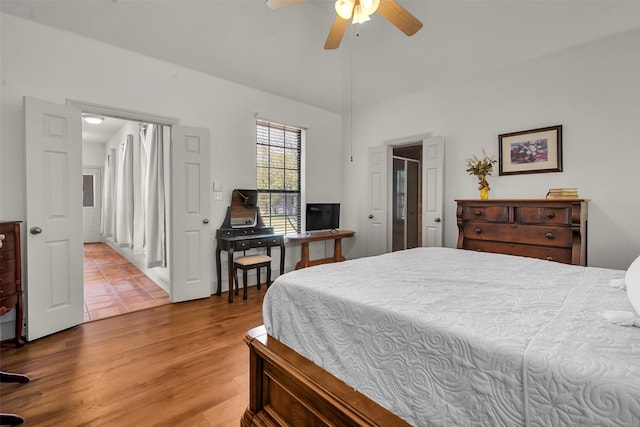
<point x="323" y="216"/>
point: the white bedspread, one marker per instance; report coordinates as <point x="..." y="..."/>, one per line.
<point x="445" y="337"/>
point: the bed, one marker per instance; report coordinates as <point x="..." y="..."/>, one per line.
<point x="437" y="336"/>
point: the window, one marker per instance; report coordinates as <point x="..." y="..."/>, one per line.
<point x="87" y="191"/>
<point x="278" y="160"/>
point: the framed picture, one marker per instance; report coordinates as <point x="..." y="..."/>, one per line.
<point x="531" y="151"/>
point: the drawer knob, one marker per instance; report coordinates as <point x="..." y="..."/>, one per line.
<point x="551" y="215"/>
<point x="549" y="236"/>
<point x="478" y="230"/>
<point x="477" y="213"/>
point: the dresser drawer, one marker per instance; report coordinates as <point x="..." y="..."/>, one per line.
<point x="8" y="302"/>
<point x="542" y="215"/>
<point x="8" y="250"/>
<point x="242" y="245"/>
<point x="224" y="233"/>
<point x="8" y="229"/>
<point x="541" y="252"/>
<point x="539" y="235"/>
<point x="486" y="213"/>
<point x="7" y="265"/>
<point x="268" y="241"/>
<point x="8" y="288"/>
<point x="7" y="276"/>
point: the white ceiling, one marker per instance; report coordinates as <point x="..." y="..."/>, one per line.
<point x="102" y="133"/>
<point x="281" y="51"/>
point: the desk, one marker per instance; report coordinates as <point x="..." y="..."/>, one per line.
<point x="240" y="240"/>
<point x="317" y="236"/>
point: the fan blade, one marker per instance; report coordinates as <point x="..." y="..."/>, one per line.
<point x="274" y="4"/>
<point x="336" y="32"/>
<point x="399" y="16"/>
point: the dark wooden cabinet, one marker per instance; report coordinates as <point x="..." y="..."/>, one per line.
<point x="551" y="229"/>
<point x="11" y="274"/>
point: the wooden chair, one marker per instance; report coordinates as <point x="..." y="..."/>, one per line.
<point x="246" y="263"/>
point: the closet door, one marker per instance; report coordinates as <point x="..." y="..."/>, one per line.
<point x="54" y="217"/>
<point x="192" y="240"/>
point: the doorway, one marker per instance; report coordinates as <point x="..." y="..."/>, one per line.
<point x="113" y="284"/>
<point x="429" y="151"/>
<point x="407" y="197"/>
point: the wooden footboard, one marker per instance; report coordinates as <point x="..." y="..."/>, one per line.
<point x="287" y="389"/>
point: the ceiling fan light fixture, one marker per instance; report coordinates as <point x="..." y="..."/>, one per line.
<point x="369" y="6"/>
<point x="344" y="8"/>
<point x="359" y="16"/>
<point x="92" y="119"/>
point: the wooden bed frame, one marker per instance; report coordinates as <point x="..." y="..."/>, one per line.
<point x="286" y="389"/>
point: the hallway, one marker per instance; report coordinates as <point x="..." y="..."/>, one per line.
<point x="113" y="286"/>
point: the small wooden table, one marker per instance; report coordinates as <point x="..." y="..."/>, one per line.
<point x="305" y="238"/>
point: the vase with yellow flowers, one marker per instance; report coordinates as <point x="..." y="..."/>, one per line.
<point x="481" y="168"/>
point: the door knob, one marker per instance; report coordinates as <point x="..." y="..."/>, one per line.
<point x="205" y="221"/>
<point x="370" y="216"/>
<point x="35" y="230"/>
<point x="437" y="220"/>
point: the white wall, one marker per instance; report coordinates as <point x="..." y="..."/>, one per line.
<point x="53" y="65"/>
<point x="592" y="90"/>
<point x="46" y="63"/>
<point x="93" y="155"/>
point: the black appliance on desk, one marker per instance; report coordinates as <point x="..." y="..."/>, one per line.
<point x="243" y="228"/>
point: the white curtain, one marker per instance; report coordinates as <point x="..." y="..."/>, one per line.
<point x="107" y="217"/>
<point x="155" y="218"/>
<point x="140" y="191"/>
<point x="124" y="194"/>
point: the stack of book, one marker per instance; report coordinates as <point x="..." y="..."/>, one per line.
<point x="562" y="193"/>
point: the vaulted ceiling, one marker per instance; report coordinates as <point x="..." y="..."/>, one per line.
<point x="281" y="51"/>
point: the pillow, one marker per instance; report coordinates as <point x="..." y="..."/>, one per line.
<point x="632" y="280"/>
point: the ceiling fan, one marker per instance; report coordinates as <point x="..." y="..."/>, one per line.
<point x="359" y="11"/>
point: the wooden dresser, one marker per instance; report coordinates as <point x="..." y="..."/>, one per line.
<point x="11" y="274"/>
<point x="552" y="229"/>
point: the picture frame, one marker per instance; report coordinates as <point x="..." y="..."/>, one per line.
<point x="530" y="151"/>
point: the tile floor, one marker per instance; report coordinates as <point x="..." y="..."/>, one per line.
<point x="113" y="286"/>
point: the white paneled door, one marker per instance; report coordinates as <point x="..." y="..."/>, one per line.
<point x="379" y="162"/>
<point x="192" y="239"/>
<point x="433" y="184"/>
<point x="54" y="290"/>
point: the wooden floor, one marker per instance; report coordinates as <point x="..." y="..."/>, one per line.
<point x="176" y="365"/>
